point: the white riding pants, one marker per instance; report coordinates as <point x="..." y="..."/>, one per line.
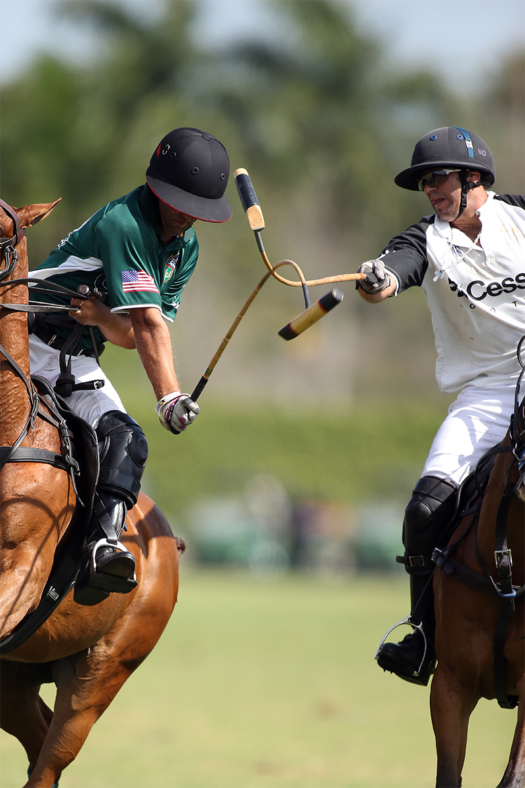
<point x="476" y="421"/>
<point x="90" y="405"/>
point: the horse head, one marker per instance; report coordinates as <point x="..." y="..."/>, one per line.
<point x="13" y="222"/>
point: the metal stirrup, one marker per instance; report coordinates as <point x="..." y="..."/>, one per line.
<point x="419" y="628"/>
<point x="105" y="543"/>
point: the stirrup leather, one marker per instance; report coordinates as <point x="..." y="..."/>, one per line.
<point x="419" y="628"/>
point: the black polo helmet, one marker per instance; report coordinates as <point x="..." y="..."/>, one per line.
<point x="450" y="147"/>
<point x="189" y="171"/>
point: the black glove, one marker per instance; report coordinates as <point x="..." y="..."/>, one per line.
<point x="377" y="278"/>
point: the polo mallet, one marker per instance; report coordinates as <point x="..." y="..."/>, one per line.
<point x="312" y="312"/>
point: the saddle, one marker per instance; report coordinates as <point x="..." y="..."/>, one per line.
<point x="473" y="487"/>
<point x="80" y="457"/>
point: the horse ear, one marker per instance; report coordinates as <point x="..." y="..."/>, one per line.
<point x="32" y="214"/>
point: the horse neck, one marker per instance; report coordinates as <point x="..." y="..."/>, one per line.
<point x="14" y="402"/>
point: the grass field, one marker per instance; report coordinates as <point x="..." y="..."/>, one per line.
<point x="272" y="684"/>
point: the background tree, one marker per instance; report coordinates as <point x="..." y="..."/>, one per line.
<point x="321" y="122"/>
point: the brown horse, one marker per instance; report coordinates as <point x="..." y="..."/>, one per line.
<point x="470" y="621"/>
<point x="88" y="652"/>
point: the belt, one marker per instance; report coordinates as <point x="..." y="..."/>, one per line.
<point x="51" y="339"/>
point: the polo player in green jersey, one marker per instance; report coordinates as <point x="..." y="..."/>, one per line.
<point x="134" y="257"/>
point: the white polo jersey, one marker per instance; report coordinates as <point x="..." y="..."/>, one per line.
<point x="475" y="291"/>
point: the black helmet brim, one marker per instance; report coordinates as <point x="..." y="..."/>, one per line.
<point x="409" y="178"/>
<point x="202" y="208"/>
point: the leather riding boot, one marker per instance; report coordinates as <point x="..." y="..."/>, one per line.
<point x="106" y="567"/>
<point x="414" y="658"/>
<point x="430" y="510"/>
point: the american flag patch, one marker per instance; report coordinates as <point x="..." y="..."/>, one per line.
<point x="138" y="280"/>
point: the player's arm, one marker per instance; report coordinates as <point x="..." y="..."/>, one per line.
<point x="176" y="411"/>
<point x="153" y="343"/>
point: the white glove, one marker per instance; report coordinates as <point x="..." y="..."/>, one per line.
<point x="377" y="278"/>
<point x="176" y="411"/>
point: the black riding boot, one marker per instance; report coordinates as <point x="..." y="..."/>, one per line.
<point x="107" y="567"/>
<point x="414" y="659"/>
<point x="429" y="511"/>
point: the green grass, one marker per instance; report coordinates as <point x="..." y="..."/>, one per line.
<point x="272" y="684"/>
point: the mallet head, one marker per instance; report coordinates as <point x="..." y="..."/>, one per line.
<point x="311" y="315"/>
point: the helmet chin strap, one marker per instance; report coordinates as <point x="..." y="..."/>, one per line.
<point x="466" y="186"/>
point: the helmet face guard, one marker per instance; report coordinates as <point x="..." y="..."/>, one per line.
<point x="451" y="148"/>
<point x="189" y="171"/>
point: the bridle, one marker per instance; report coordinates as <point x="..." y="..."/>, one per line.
<point x="8" y="245"/>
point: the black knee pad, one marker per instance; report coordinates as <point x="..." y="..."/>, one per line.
<point x="429" y="511"/>
<point x="123" y="452"/>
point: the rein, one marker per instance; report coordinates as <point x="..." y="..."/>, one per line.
<point x="50" y="287"/>
<point x="16" y="452"/>
<point x="66" y="383"/>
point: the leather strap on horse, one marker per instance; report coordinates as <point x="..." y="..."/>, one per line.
<point x="61" y="581"/>
<point x="18" y="453"/>
<point x="503" y="557"/>
<point x="450" y="566"/>
<point x="8" y="245"/>
<point x="66" y="382"/>
<point x="41" y="286"/>
<point x="505" y="590"/>
<point x="29" y="454"/>
<point x="33" y="400"/>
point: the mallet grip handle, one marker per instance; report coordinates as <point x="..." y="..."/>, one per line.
<point x="249" y="200"/>
<point x="199" y="388"/>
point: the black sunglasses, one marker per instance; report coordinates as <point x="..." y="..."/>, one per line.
<point x="434" y="178"/>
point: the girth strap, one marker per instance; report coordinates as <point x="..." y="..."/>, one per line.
<point x="60" y="582"/>
<point x="29" y="454"/>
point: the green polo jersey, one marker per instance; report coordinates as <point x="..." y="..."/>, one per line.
<point x="120" y="251"/>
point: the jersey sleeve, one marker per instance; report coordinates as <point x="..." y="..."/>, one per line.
<point x="172" y="295"/>
<point x="517" y="200"/>
<point x="131" y="279"/>
<point x="405" y="256"/>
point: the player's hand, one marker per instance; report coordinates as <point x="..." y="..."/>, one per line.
<point x="177" y="411"/>
<point x="90" y="312"/>
<point x="377" y="278"/>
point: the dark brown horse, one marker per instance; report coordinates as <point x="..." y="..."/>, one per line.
<point x="88" y="652"/>
<point x="473" y="617"/>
